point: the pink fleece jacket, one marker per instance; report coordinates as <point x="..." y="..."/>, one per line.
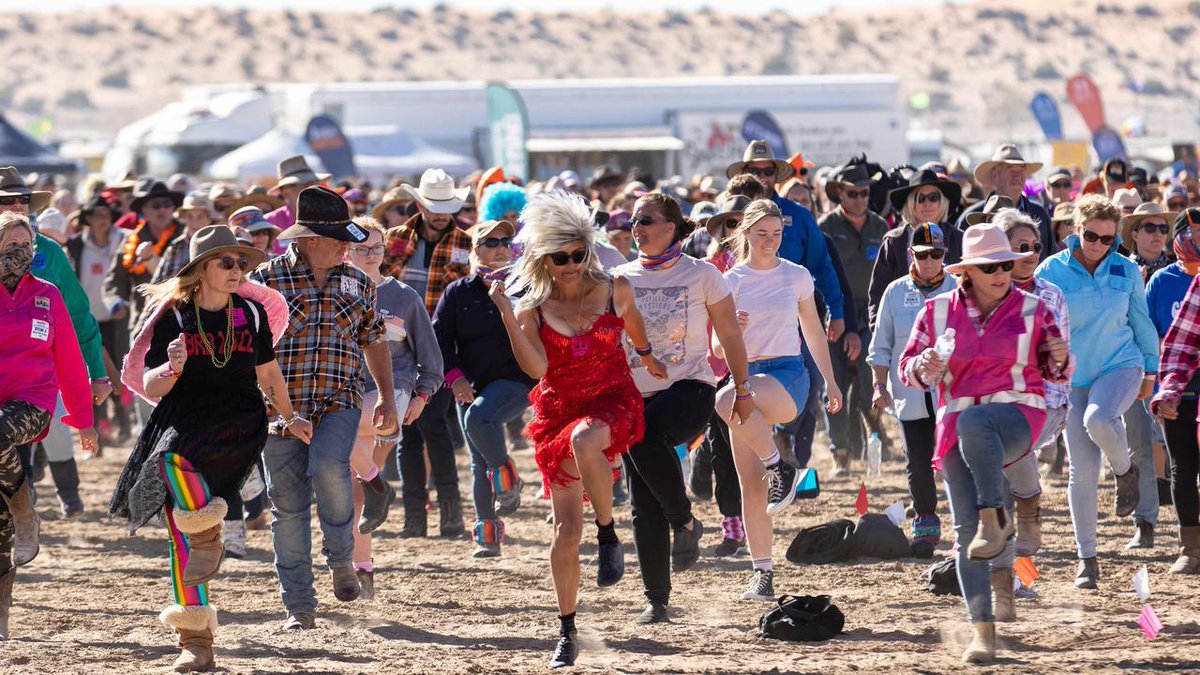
<point x="134" y="369"/>
<point x="39" y="355"/>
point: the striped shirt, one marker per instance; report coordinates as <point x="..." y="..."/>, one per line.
<point x="321" y="350"/>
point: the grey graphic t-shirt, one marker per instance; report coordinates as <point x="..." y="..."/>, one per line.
<point x="674" y="304"/>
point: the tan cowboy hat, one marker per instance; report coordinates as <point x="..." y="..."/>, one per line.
<point x="480" y="231"/>
<point x="196" y="201"/>
<point x="13" y="185"/>
<point x="983" y="245"/>
<point x="1144" y="211"/>
<point x="128" y="182"/>
<point x="437" y="192"/>
<point x="760" y="151"/>
<point x="214" y="240"/>
<point x="1005" y="154"/>
<point x="994" y="204"/>
<point x="258" y="196"/>
<point x="295" y="171"/>
<point x="1063" y="213"/>
<point x="397" y="195"/>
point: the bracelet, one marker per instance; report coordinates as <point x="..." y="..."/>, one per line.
<point x="293" y="419"/>
<point x="744" y="397"/>
<point x="644" y="351"/>
<point x="424" y="396"/>
<point x="169" y="373"/>
<point x="880" y="387"/>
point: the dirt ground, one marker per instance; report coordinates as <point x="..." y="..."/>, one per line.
<point x="88" y="604"/>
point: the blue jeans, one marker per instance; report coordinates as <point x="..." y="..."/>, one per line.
<point x="498" y="403"/>
<point x="990" y="436"/>
<point x="1095" y="430"/>
<point x="974" y="577"/>
<point x="294" y="472"/>
<point x="1140" y="426"/>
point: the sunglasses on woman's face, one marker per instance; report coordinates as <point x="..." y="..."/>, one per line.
<point x="1177" y="205"/>
<point x="765" y="171"/>
<point x="1161" y="228"/>
<point x="1092" y="237"/>
<point x="1026" y="247"/>
<point x="936" y="254"/>
<point x="560" y="258"/>
<point x="1061" y="185"/>
<point x="990" y="268"/>
<point x="644" y="220"/>
<point x="229" y="262"/>
<point x="9" y="200"/>
<point x="932" y="198"/>
<point x="493" y="242"/>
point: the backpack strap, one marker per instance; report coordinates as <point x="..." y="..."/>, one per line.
<point x="253" y="313"/>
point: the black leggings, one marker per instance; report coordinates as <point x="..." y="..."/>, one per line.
<point x="431" y="431"/>
<point x="919" y="439"/>
<point x="727" y="489"/>
<point x="1185" y="462"/>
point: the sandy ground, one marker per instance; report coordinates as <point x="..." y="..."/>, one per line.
<point x="88" y="604"/>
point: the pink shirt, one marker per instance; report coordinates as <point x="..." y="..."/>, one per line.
<point x="39" y="355"/>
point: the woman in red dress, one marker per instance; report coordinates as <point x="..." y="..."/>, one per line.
<point x="566" y="332"/>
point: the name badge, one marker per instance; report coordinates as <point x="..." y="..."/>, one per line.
<point x="41" y="302"/>
<point x="359" y="234"/>
<point x="787" y="221"/>
<point x="1047" y="295"/>
<point x="460" y="256"/>
<point x="912" y="300"/>
<point x="350" y="286"/>
<point x="40" y="331"/>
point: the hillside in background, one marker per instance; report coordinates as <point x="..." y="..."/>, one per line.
<point x="975" y="66"/>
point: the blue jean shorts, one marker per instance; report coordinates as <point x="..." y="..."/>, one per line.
<point x="790" y="372"/>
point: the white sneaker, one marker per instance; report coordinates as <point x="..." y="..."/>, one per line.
<point x="233" y="536"/>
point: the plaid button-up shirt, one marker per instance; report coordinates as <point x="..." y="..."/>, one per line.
<point x="1181" y="347"/>
<point x="321" y="350"/>
<point x="450" y="261"/>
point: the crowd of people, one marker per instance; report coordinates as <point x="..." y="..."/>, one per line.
<point x="1010" y="324"/>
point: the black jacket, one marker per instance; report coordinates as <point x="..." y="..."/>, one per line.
<point x="471" y="335"/>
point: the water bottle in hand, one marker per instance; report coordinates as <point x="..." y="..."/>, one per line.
<point x="874" y="455"/>
<point x="945" y="345"/>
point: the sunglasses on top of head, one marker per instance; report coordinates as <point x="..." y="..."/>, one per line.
<point x="229" y="262"/>
<point x="1092" y="237"/>
<point x="560" y="258"/>
<point x="936" y="254"/>
<point x="9" y="200"/>
<point x="990" y="268"/>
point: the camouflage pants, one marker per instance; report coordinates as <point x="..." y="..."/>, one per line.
<point x="20" y="423"/>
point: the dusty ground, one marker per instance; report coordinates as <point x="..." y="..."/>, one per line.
<point x="88" y="604"/>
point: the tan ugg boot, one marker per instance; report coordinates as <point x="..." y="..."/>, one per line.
<point x="995" y="527"/>
<point x="196" y="626"/>
<point x="205" y="550"/>
<point x="1029" y="525"/>
<point x="1003" y="606"/>
<point x="983" y="646"/>
<point x="26" y="525"/>
<point x="1189" y="551"/>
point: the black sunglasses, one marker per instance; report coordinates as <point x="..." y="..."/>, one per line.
<point x="1092" y="237"/>
<point x="764" y="171"/>
<point x="560" y="258"/>
<point x="936" y="254"/>
<point x="644" y="220"/>
<point x="9" y="200"/>
<point x="932" y="198"/>
<point x="229" y="262"/>
<point x="160" y="204"/>
<point x="1171" y="206"/>
<point x="1026" y="247"/>
<point x="493" y="242"/>
<point x="990" y="268"/>
<point x="857" y="194"/>
<point x="1162" y="228"/>
<point x="1061" y="185"/>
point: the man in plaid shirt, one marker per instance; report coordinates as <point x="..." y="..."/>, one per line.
<point x="427" y="253"/>
<point x="332" y="328"/>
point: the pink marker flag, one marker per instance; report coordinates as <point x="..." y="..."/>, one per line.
<point x="1149" y="623"/>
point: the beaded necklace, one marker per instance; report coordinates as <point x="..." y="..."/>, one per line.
<point x="227" y="346"/>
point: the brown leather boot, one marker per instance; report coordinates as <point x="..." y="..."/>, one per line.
<point x="195" y="626"/>
<point x="1029" y="525"/>
<point x="6" y="587"/>
<point x="205" y="550"/>
<point x="1189" y="551"/>
<point x="983" y="646"/>
<point x="995" y="527"/>
<point x="1003" y="606"/>
<point x="25" y="523"/>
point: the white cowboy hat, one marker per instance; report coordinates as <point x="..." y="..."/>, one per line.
<point x="984" y="244"/>
<point x="1005" y="154"/>
<point x="437" y="193"/>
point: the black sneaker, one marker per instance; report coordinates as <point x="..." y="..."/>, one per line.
<point x="761" y="587"/>
<point x="1127" y="492"/>
<point x="782" y="480"/>
<point x="701" y="478"/>
<point x="611" y="561"/>
<point x="728" y="547"/>
<point x="655" y="612"/>
<point x="565" y="652"/>
<point x="685" y="549"/>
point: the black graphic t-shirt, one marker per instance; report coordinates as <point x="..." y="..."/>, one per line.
<point x="251" y="347"/>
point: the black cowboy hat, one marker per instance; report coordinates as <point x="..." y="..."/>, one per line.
<point x="853" y="174"/>
<point x="321" y="212"/>
<point x="151" y="190"/>
<point x="950" y="190"/>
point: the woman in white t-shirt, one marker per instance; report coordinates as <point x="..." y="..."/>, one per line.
<point x="772" y="295"/>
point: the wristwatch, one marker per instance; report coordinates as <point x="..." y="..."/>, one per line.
<point x="743" y="387"/>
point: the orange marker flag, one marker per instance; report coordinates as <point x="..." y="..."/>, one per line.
<point x="860" y="504"/>
<point x="1026" y="571"/>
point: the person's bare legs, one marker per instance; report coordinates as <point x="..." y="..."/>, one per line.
<point x="362" y="464"/>
<point x="567" y="504"/>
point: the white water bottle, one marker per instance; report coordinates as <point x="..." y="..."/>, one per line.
<point x="945" y="345"/>
<point x="874" y="455"/>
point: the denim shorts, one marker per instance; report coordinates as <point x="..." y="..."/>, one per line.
<point x="790" y="372"/>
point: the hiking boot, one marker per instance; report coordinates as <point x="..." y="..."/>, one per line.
<point x="1143" y="536"/>
<point x="995" y="527"/>
<point x="1127" y="492"/>
<point x="983" y="646"/>
<point x="451" y="515"/>
<point x="761" y="587"/>
<point x="26" y="525"/>
<point x="701" y="479"/>
<point x="610" y="560"/>
<point x="685" y="547"/>
<point x="375" y="507"/>
<point x="366" y="584"/>
<point x="506" y="488"/>
<point x="566" y="651"/>
<point x="1029" y="525"/>
<point x="782" y="481"/>
<point x="728" y="547"/>
<point x="1087" y="574"/>
<point x="203" y="529"/>
<point x="1189" y="551"/>
<point x="1003" y="605"/>
<point x="655" y="612"/>
<point x="233" y="537"/>
<point x="416" y="523"/>
<point x="300" y="621"/>
<point x="345" y="583"/>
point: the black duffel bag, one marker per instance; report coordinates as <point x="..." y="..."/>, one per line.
<point x="803" y="618"/>
<point x="821" y="544"/>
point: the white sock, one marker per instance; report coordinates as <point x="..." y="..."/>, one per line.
<point x="772" y="460"/>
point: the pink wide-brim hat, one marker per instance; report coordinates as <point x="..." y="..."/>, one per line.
<point x="984" y="244"/>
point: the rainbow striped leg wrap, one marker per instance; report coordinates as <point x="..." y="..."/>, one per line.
<point x="192" y="509"/>
<point x="489" y="531"/>
<point x="504" y="478"/>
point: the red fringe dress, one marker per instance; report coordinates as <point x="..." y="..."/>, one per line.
<point x="587" y="378"/>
